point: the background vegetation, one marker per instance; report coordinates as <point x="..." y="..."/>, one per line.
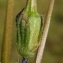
<point x="54" y="46"/>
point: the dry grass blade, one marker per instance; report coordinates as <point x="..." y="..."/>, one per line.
<point x="45" y="32"/>
<point x="6" y="44"/>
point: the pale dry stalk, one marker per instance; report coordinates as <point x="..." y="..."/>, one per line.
<point x="45" y="33"/>
<point x="7" y="36"/>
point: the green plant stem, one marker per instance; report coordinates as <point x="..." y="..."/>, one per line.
<point x="7" y="37"/>
<point x="45" y="32"/>
<point x="32" y="5"/>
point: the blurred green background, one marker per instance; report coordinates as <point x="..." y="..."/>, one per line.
<point x="53" y="52"/>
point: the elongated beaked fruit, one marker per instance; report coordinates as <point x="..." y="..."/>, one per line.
<point x="29" y="27"/>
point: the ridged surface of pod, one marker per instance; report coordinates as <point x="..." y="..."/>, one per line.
<point x="28" y="30"/>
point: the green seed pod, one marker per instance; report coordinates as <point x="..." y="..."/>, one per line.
<point x="29" y="27"/>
